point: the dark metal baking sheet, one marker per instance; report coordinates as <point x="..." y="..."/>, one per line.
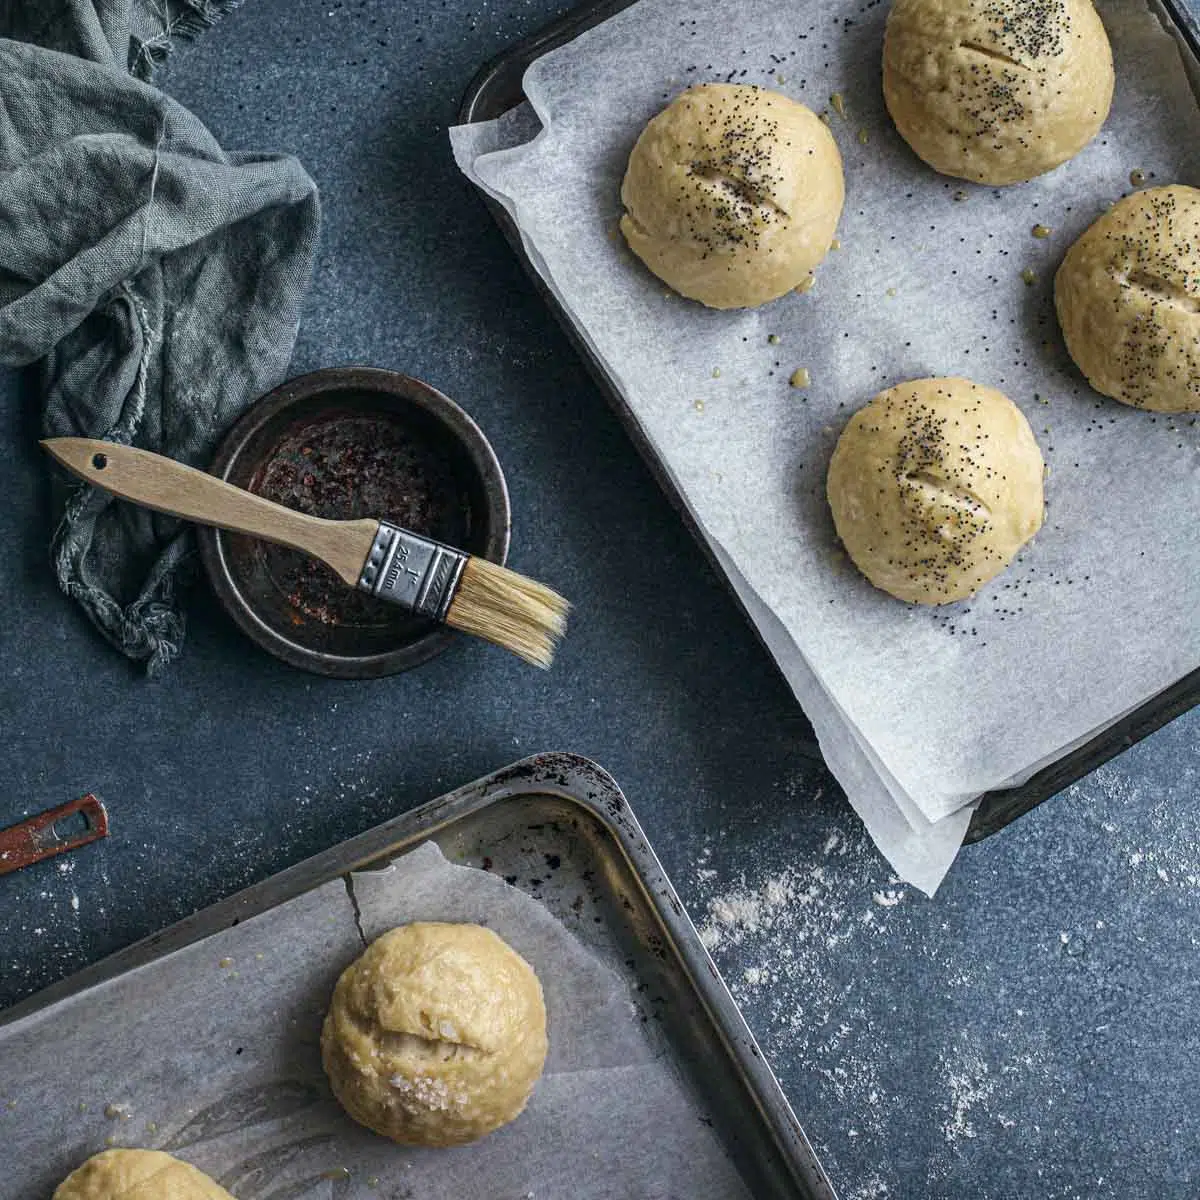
<point x="496" y="88"/>
<point x="557" y="826"/>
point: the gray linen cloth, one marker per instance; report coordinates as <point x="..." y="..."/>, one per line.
<point x="155" y="279"/>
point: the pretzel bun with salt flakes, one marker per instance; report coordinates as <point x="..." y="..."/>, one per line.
<point x="732" y="194"/>
<point x="996" y="91"/>
<point x="436" y="1035"/>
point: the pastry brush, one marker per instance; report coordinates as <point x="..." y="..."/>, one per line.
<point x="413" y="571"/>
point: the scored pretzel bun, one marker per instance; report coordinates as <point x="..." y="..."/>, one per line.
<point x="996" y="92"/>
<point x="1128" y="300"/>
<point x="436" y="1034"/>
<point x="732" y="194"/>
<point x="934" y="487"/>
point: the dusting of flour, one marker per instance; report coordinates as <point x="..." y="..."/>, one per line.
<point x="952" y="1021"/>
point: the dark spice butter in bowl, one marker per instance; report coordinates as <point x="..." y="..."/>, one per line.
<point x="345" y="443"/>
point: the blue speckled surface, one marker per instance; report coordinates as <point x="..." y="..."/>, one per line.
<point x="1029" y="1033"/>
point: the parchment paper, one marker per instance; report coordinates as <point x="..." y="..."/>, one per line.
<point x="213" y="1054"/>
<point x="919" y="711"/>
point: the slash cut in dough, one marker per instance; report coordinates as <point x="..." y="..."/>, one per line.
<point x="934" y="486"/>
<point x="436" y="1034"/>
<point x="1128" y="300"/>
<point x="732" y="194"/>
<point x="996" y="91"/>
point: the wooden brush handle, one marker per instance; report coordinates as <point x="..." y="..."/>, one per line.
<point x="169" y="487"/>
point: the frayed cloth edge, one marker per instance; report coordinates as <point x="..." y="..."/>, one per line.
<point x="145" y="56"/>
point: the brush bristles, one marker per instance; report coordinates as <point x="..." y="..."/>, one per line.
<point x="503" y="607"/>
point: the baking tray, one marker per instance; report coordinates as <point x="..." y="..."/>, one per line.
<point x="558" y="827"/>
<point x="496" y="88"/>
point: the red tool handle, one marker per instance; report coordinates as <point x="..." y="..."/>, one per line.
<point x="40" y="837"/>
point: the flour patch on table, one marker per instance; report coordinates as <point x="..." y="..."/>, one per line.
<point x="787" y="924"/>
<point x="970" y="1083"/>
<point x="1147" y="835"/>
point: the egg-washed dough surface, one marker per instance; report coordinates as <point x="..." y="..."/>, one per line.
<point x="1128" y="299"/>
<point x="935" y="485"/>
<point x="732" y="194"/>
<point x="436" y="1035"/>
<point x="997" y="91"/>
<point x="131" y="1174"/>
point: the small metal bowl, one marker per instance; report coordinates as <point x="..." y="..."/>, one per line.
<point x="344" y="443"/>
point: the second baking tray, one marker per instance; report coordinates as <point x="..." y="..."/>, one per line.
<point x="558" y="827"/>
<point x="496" y="89"/>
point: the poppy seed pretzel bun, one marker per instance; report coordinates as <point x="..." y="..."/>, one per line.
<point x="1128" y="300"/>
<point x="732" y="194"/>
<point x="996" y="91"/>
<point x="934" y="486"/>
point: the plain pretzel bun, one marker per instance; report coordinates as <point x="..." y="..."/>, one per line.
<point x="732" y="194"/>
<point x="138" y="1175"/>
<point x="996" y="91"/>
<point x="436" y="1034"/>
<point x="1128" y="300"/>
<point x="934" y="486"/>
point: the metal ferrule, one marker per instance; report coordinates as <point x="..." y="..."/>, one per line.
<point x="412" y="571"/>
